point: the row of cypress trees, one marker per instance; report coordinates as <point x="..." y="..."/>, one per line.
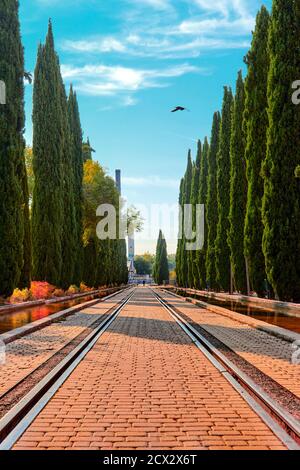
<point x="248" y="174"/>
<point x="43" y="242"/>
<point x="161" y="265"/>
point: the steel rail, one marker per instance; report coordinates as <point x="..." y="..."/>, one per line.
<point x="19" y="418"/>
<point x="280" y="421"/>
<point x="87" y="305"/>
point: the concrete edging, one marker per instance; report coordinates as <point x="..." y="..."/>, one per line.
<point x="35" y="303"/>
<point x="276" y="331"/>
<point x="288" y="308"/>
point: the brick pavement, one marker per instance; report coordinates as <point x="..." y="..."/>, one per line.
<point x="270" y="354"/>
<point x="26" y="354"/>
<point x="145" y="385"/>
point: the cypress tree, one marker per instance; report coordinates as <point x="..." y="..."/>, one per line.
<point x="212" y="204"/>
<point x="179" y="243"/>
<point x="255" y="127"/>
<point x="238" y="190"/>
<point x="13" y="208"/>
<point x="185" y="267"/>
<point x="281" y="211"/>
<point x="193" y="271"/>
<point x="87" y="151"/>
<point x="203" y="189"/>
<point x="77" y="164"/>
<point x="48" y="148"/>
<point x="69" y="230"/>
<point x="25" y="277"/>
<point x="223" y="186"/>
<point x="161" y="270"/>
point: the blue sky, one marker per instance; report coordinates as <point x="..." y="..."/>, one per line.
<point x="131" y="61"/>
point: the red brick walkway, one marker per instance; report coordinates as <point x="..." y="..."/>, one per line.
<point x="271" y="355"/>
<point x="145" y="385"/>
<point x="24" y="355"/>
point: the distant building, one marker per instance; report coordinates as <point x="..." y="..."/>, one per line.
<point x="118" y="181"/>
<point x="131" y="248"/>
<point x="131" y="242"/>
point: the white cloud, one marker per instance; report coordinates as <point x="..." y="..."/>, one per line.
<point x="100" y="80"/>
<point x="107" y="44"/>
<point x="156" y="4"/>
<point x="209" y="25"/>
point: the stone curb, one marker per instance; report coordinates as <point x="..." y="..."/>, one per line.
<point x="276" y="331"/>
<point x="15" y="307"/>
<point x="288" y="308"/>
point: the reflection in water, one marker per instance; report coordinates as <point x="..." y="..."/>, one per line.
<point x="10" y="321"/>
<point x="273" y="317"/>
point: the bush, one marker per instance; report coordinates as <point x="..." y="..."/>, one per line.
<point x="73" y="290"/>
<point x="41" y="290"/>
<point x="20" y="296"/>
<point x="84" y="288"/>
<point x="59" y="293"/>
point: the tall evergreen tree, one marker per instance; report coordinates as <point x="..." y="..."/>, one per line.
<point x="161" y="270"/>
<point x="202" y="199"/>
<point x="281" y="211"/>
<point x="186" y="200"/>
<point x="212" y="204"/>
<point x="179" y="243"/>
<point x="223" y="185"/>
<point x="25" y="277"/>
<point x="69" y="230"/>
<point x="255" y="127"/>
<point x="193" y="271"/>
<point x="48" y="164"/>
<point x="13" y="205"/>
<point x="77" y="164"/>
<point x="87" y="151"/>
<point x="238" y="190"/>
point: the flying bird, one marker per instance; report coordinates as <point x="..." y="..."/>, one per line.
<point x="179" y="108"/>
<point x="28" y="77"/>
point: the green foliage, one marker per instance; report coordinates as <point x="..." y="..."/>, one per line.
<point x="29" y="171"/>
<point x="193" y="280"/>
<point x="212" y="204"/>
<point x="48" y="165"/>
<point x="77" y="165"/>
<point x="161" y="267"/>
<point x="238" y="190"/>
<point x="184" y="266"/>
<point x="144" y="264"/>
<point x="25" y="276"/>
<point x="179" y="243"/>
<point x="87" y="151"/>
<point x="105" y="261"/>
<point x="281" y="211"/>
<point x="203" y="190"/>
<point x="13" y="202"/>
<point x="223" y="188"/>
<point x="70" y="229"/>
<point x="255" y="128"/>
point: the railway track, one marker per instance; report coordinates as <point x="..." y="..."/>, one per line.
<point x="17" y="420"/>
<point x="280" y="421"/>
<point x="14" y="424"/>
<point x="11" y="396"/>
